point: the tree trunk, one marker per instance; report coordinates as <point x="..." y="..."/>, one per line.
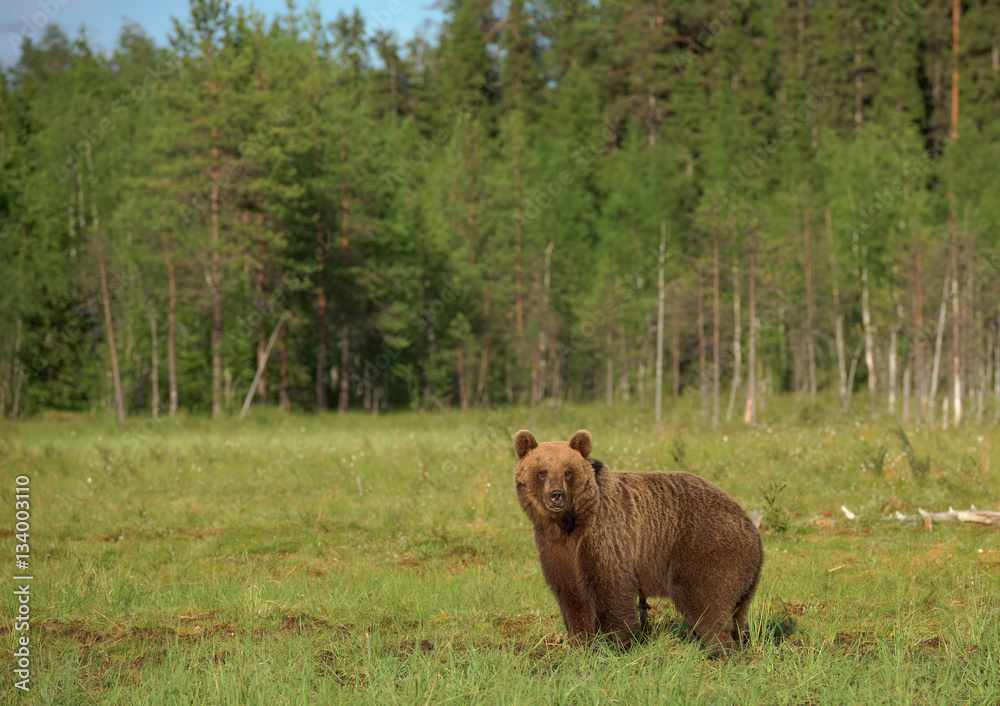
<point x="284" y="401"/>
<point x="907" y="394"/>
<point x="262" y="339"/>
<point x="624" y="387"/>
<point x="893" y="355"/>
<point x="322" y="326"/>
<point x="538" y="372"/>
<point x="702" y="348"/>
<point x="936" y="365"/>
<point x="18" y="379"/>
<point x="536" y="391"/>
<point x="661" y="301"/>
<point x="919" y="381"/>
<point x="675" y="347"/>
<point x="345" y="243"/>
<point x="858" y="79"/>
<point x="850" y="375"/>
<point x="716" y="323"/>
<point x="750" y="411"/>
<point x="555" y="390"/>
<point x="72" y="227"/>
<point x="985" y="375"/>
<point x="431" y="347"/>
<point x="969" y="356"/>
<point x="81" y="213"/>
<point x="869" y="334"/>
<point x="956" y="32"/>
<point x="609" y="383"/>
<point x="484" y="369"/>
<point x="321" y="317"/>
<point x="838" y="314"/>
<point x="810" y="340"/>
<point x="366" y="397"/>
<point x="956" y="354"/>
<point x="215" y="261"/>
<point x="105" y="295"/>
<point x="737" y="344"/>
<point x="956" y="331"/>
<point x="892" y="371"/>
<point x="518" y="295"/>
<point x="171" y="326"/>
<point x="109" y="328"/>
<point x="154" y="375"/>
<point x="257" y="375"/>
<point x="463" y="383"/>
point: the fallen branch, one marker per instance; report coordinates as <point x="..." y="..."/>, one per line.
<point x="972" y="515"/>
<point x="979" y="517"/>
<point x="260" y="368"/>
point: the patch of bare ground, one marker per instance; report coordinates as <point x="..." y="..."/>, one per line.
<point x="189" y="628"/>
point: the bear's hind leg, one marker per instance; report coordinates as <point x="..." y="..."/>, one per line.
<point x="741" y="626"/>
<point x="716" y="631"/>
<point x="618" y="617"/>
<point x="713" y="625"/>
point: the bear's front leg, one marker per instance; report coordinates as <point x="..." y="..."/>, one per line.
<point x="578" y="613"/>
<point x="614" y="589"/>
<point x="562" y="573"/>
<point x="616" y="614"/>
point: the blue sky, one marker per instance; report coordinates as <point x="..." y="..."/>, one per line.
<point x="104" y="18"/>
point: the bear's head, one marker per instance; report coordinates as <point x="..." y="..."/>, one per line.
<point x="556" y="481"/>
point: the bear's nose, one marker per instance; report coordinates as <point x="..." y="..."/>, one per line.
<point x="557" y="497"/>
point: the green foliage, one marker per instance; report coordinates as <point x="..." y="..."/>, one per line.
<point x="776" y="515"/>
<point x="475" y="218"/>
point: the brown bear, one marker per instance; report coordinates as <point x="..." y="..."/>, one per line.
<point x="607" y="537"/>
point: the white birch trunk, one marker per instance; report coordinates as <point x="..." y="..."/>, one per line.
<point x="869" y="333"/>
<point x="737" y="344"/>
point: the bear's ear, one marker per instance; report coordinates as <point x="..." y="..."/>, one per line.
<point x="582" y="442"/>
<point x="524" y="442"/>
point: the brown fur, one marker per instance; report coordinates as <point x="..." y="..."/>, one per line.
<point x="623" y="535"/>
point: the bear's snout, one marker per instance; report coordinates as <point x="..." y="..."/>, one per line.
<point x="557" y="498"/>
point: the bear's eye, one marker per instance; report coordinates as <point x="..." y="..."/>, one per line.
<point x="569" y="474"/>
<point x="542" y="474"/>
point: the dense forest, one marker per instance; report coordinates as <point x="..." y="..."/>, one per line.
<point x="549" y="200"/>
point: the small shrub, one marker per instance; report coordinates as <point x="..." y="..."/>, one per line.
<point x="678" y="451"/>
<point x="776" y="515"/>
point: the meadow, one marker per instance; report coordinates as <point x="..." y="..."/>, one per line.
<point x="288" y="559"/>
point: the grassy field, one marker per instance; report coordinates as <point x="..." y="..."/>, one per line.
<point x="327" y="559"/>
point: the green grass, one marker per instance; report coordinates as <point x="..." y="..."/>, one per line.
<point x="327" y="559"/>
